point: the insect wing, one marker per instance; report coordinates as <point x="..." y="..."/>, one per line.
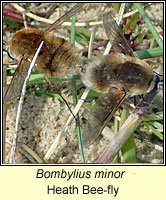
<point x="66" y="16"/>
<point x="116" y="36"/>
<point x="14" y="89"/>
<point x="101" y="113"/>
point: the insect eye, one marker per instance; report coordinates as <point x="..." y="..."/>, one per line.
<point x="83" y="69"/>
<point x="84" y="66"/>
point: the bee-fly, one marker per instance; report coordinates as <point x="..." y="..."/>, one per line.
<point x="58" y="57"/>
<point x="117" y="76"/>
